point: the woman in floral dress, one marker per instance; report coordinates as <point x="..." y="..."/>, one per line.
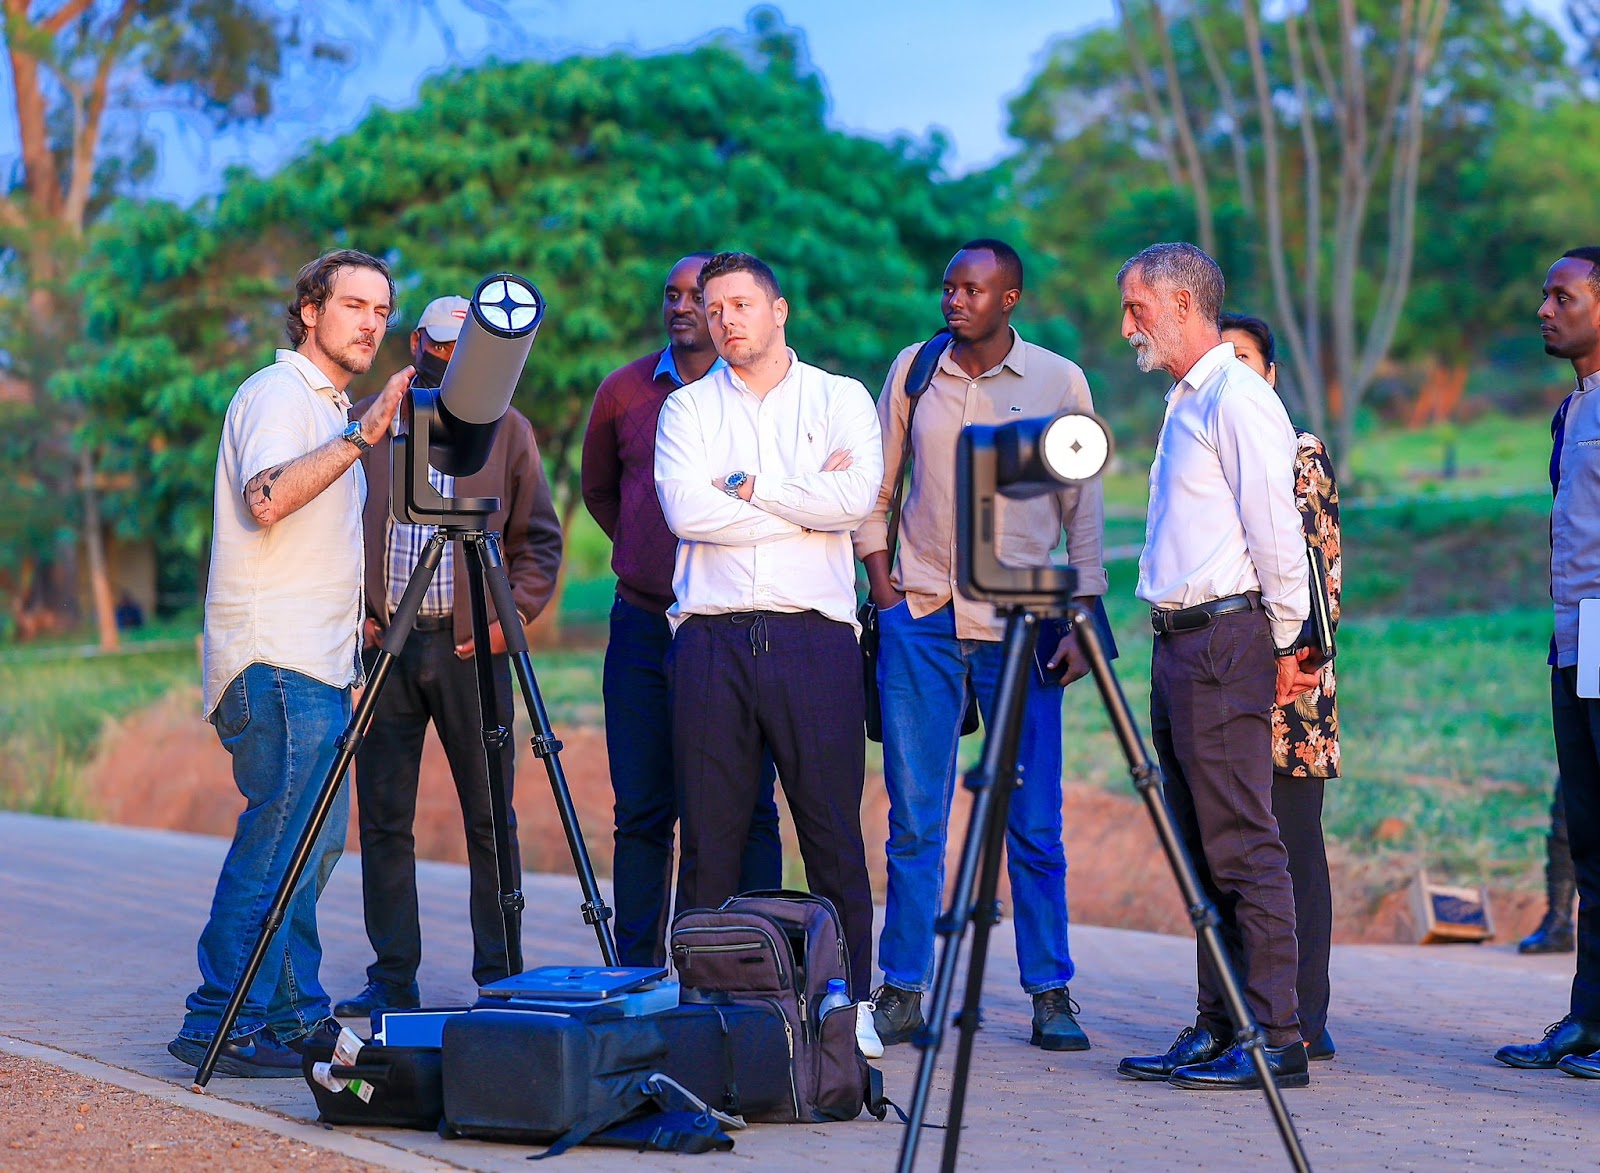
<point x="1305" y="735"/>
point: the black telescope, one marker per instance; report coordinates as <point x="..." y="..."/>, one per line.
<point x="1025" y="458"/>
<point x="452" y="427"/>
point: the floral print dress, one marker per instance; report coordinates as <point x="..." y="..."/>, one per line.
<point x="1305" y="735"/>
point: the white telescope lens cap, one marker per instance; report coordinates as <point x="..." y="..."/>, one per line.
<point x="1075" y="447"/>
<point x="509" y="305"/>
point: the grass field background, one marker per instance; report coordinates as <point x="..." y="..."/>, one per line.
<point x="1443" y="687"/>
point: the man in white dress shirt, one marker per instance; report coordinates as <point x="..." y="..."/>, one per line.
<point x="763" y="468"/>
<point x="1224" y="572"/>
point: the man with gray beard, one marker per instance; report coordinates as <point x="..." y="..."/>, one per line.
<point x="1224" y="572"/>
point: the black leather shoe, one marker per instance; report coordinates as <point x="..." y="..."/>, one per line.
<point x="1322" y="1047"/>
<point x="1194" y="1044"/>
<point x="898" y="1015"/>
<point x="255" y="1056"/>
<point x="325" y="1033"/>
<point x="1570" y="1036"/>
<point x="1055" y="1022"/>
<point x="1234" y="1068"/>
<point x="378" y="996"/>
<point x="1554" y="935"/>
<point x="1583" y="1066"/>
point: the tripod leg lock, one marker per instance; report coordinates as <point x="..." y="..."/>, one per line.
<point x="497" y="737"/>
<point x="545" y="745"/>
<point x="595" y="911"/>
<point x="1147" y="778"/>
<point x="513" y="902"/>
<point x="350" y="739"/>
<point x="1205" y="916"/>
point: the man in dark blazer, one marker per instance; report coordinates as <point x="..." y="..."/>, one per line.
<point x="434" y="679"/>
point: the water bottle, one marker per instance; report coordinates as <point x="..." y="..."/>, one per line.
<point x="836" y="996"/>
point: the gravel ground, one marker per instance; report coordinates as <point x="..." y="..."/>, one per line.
<point x="51" y="1119"/>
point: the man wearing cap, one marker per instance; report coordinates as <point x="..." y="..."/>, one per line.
<point x="434" y="679"/>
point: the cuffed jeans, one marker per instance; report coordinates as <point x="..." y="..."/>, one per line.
<point x="639" y="746"/>
<point x="280" y="728"/>
<point x="924" y="672"/>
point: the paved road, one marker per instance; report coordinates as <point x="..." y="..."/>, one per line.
<point x="97" y="930"/>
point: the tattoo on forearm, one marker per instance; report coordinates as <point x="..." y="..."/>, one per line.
<point x="259" y="489"/>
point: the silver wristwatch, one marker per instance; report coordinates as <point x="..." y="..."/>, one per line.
<point x="353" y="433"/>
<point x="735" y="479"/>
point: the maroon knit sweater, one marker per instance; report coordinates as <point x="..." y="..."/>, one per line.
<point x="619" y="485"/>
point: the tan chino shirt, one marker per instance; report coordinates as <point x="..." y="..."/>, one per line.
<point x="1029" y="382"/>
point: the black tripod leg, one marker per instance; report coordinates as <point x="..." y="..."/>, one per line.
<point x="548" y="749"/>
<point x="394" y="639"/>
<point x="496" y="747"/>
<point x="991" y="783"/>
<point x="1147" y="780"/>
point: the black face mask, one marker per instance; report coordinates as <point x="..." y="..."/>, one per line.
<point x="430" y="367"/>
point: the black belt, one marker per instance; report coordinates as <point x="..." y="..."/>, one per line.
<point x="1201" y="614"/>
<point x="434" y="623"/>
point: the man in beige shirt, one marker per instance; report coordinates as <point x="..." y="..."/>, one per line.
<point x="935" y="645"/>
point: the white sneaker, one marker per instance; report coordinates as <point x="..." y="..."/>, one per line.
<point x="866" y="1033"/>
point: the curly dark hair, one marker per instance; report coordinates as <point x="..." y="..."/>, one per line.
<point x="722" y="264"/>
<point x="314" y="285"/>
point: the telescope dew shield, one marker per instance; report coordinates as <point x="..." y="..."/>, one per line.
<point x="504" y="316"/>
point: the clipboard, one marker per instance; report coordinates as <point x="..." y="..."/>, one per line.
<point x="1589" y="648"/>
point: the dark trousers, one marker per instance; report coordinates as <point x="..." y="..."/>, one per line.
<point x="1297" y="805"/>
<point x="428" y="682"/>
<point x="1210" y="717"/>
<point x="789" y="683"/>
<point x="639" y="746"/>
<point x="1577" y="729"/>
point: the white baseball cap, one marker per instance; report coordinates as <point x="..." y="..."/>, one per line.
<point x="444" y="318"/>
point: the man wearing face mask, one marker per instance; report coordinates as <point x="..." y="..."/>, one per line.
<point x="434" y="680"/>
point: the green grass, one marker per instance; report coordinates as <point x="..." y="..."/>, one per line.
<point x="56" y="707"/>
<point x="1445" y="718"/>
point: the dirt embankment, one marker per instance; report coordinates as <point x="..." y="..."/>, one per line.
<point x="162" y="767"/>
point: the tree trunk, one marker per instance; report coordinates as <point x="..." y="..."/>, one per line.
<point x="94" y="544"/>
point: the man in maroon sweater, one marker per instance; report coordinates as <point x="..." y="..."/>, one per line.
<point x="619" y="453"/>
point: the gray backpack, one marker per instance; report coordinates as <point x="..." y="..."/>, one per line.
<point x="780" y="949"/>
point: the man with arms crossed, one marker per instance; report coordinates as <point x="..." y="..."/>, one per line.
<point x="935" y="644"/>
<point x="435" y="679"/>
<point x="1224" y="571"/>
<point x="619" y="455"/>
<point x="282" y="650"/>
<point x="763" y="469"/>
<point x="1569" y="320"/>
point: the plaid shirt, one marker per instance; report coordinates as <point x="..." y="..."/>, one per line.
<point x="405" y="545"/>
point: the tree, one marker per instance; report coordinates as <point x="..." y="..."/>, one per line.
<point x="1295" y="145"/>
<point x="590" y="176"/>
<point x="78" y="68"/>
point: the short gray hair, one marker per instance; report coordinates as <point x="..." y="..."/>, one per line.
<point x="1180" y="265"/>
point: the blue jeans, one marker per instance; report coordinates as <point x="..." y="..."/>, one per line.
<point x="924" y="672"/>
<point x="639" y="746"/>
<point x="280" y="728"/>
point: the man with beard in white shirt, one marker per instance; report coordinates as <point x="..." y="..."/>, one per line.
<point x="1224" y="571"/>
<point x="763" y="469"/>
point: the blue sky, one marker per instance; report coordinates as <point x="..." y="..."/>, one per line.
<point x="889" y="65"/>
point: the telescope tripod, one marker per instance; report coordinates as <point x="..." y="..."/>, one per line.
<point x="484" y="565"/>
<point x="991" y="783"/>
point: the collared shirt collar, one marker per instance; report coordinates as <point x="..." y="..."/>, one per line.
<point x="739" y="385"/>
<point x="668" y="366"/>
<point x="1589" y="382"/>
<point x="1205" y="366"/>
<point x="1016" y="359"/>
<point x="315" y="377"/>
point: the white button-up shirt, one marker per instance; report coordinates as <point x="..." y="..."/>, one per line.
<point x="288" y="594"/>
<point x="1222" y="517"/>
<point x="788" y="547"/>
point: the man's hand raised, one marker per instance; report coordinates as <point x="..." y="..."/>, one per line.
<point x="375" y="423"/>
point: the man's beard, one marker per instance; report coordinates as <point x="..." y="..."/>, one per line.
<point x="349" y="359"/>
<point x="1153" y="350"/>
